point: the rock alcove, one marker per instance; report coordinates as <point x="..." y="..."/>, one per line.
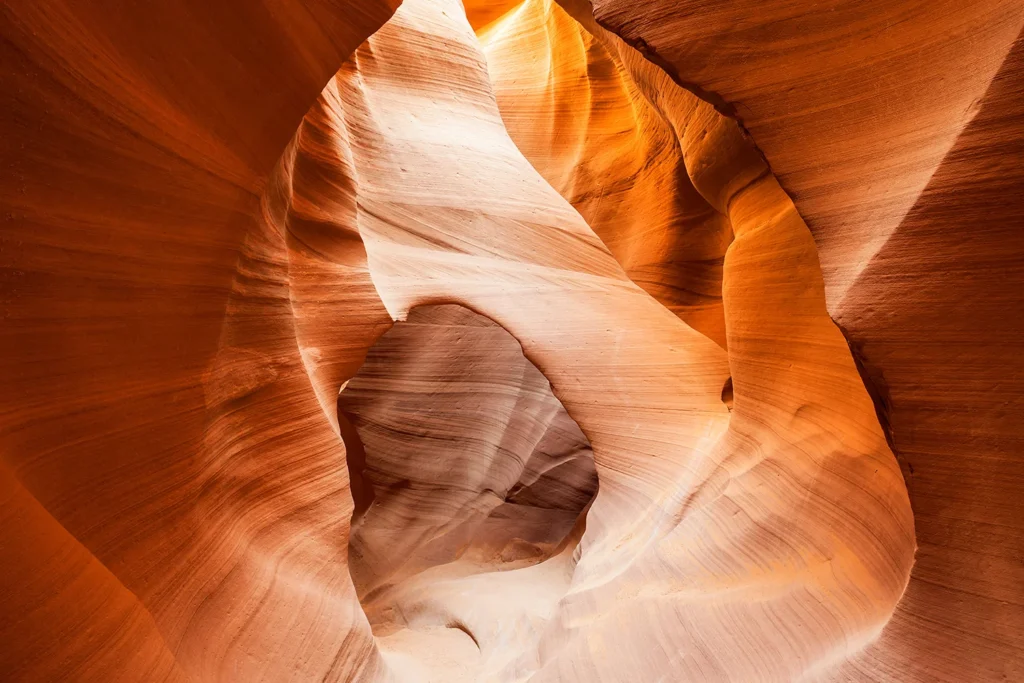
<point x="467" y="473"/>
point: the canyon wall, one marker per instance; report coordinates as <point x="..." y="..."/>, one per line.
<point x="734" y="339"/>
<point x="897" y="129"/>
<point x="137" y="143"/>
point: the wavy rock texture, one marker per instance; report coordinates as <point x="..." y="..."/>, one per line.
<point x="676" y="545"/>
<point x="609" y="133"/>
<point x="897" y="128"/>
<point x="181" y="314"/>
<point x="170" y="486"/>
<point x="854" y="104"/>
<point x="928" y="319"/>
<point x="459" y="431"/>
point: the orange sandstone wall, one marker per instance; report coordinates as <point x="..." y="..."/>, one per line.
<point x="896" y="128"/>
<point x="198" y="253"/>
<point x="136" y="141"/>
<point x="854" y="104"/>
<point x="602" y="137"/>
<point x="709" y="528"/>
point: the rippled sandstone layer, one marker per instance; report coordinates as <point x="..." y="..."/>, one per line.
<point x="187" y="290"/>
<point x="897" y="127"/>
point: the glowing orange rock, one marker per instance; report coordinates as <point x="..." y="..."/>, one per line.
<point x="199" y="254"/>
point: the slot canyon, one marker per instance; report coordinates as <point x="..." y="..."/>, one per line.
<point x="512" y="341"/>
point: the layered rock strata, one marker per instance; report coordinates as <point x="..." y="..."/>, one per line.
<point x="896" y="127"/>
<point x="234" y="356"/>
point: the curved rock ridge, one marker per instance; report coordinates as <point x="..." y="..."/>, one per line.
<point x="135" y="545"/>
<point x="596" y="131"/>
<point x="677" y="543"/>
<point x="854" y="104"/>
<point x="927" y="319"/>
<point x="896" y="127"/>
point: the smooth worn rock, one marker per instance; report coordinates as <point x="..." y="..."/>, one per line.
<point x="511" y="341"/>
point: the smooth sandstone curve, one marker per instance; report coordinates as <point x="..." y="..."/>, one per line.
<point x="896" y="128"/>
<point x="136" y="144"/>
<point x="187" y="300"/>
<point x="672" y="463"/>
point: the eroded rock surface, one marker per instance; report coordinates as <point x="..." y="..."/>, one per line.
<point x="509" y="249"/>
<point x="469" y="473"/>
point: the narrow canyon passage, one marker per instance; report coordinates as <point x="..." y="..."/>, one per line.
<point x="495" y="341"/>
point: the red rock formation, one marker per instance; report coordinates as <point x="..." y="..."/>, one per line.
<point x="463" y="446"/>
<point x="648" y="396"/>
<point x="187" y="289"/>
<point x="896" y="127"/>
<point x="137" y="141"/>
<point x="597" y="133"/>
<point x="932" y="319"/>
<point x="854" y="104"/>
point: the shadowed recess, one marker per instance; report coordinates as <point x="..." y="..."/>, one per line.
<point x="465" y="468"/>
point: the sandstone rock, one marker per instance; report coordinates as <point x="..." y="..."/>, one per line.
<point x="509" y="357"/>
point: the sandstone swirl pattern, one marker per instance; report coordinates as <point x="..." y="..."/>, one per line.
<point x="897" y="129"/>
<point x="240" y="319"/>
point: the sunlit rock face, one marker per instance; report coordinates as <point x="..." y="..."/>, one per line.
<point x="897" y="127"/>
<point x="854" y="104"/>
<point x="609" y="132"/>
<point x="323" y="321"/>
